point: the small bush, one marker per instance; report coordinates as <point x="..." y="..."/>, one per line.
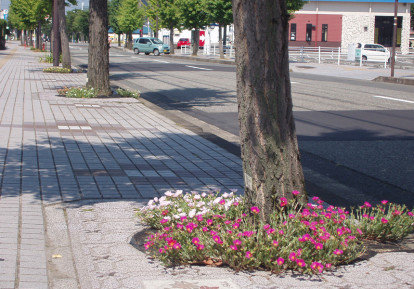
<point x="220" y="229"/>
<point x="49" y="58"/>
<point x="127" y="93"/>
<point x="55" y="69"/>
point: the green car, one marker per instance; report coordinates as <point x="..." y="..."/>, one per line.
<point x="150" y="45"/>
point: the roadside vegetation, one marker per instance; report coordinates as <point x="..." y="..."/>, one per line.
<point x="220" y="229"/>
<point x="89" y="92"/>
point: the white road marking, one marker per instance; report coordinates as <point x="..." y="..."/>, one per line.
<point x="293" y="82"/>
<point x="392" y="98"/>
<point x="198" y="67"/>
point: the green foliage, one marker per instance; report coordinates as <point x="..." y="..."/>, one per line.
<point x="77" y="92"/>
<point x="220" y="229"/>
<point x="26" y="14"/>
<point x="128" y="93"/>
<point x="384" y="222"/>
<point x="193" y="13"/>
<point x="48" y="58"/>
<point x="55" y="69"/>
<point x="113" y="7"/>
<point x="130" y="17"/>
<point x="77" y="22"/>
<point x="220" y="11"/>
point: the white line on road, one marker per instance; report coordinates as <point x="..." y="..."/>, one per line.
<point x="392" y="98"/>
<point x="198" y="67"/>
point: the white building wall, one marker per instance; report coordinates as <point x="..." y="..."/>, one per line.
<point x="357" y="28"/>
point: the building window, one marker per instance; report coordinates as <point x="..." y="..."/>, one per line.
<point x="293" y="32"/>
<point x="324" y="32"/>
<point x="308" y="32"/>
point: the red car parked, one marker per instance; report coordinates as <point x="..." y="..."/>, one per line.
<point x="183" y="42"/>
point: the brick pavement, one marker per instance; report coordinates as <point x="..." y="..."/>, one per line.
<point x="56" y="150"/>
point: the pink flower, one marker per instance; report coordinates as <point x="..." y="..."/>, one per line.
<point x="183" y="218"/>
<point x="316" y="266"/>
<point x="368" y="205"/>
<point x="205" y="229"/>
<point x="396" y="213"/>
<point x="164" y="213"/>
<point x="163" y="221"/>
<point x="236" y="225"/>
<point x="384" y="202"/>
<point x="295" y="193"/>
<point x="217" y="239"/>
<point x="200" y="247"/>
<point x="270" y="231"/>
<point x="248" y="255"/>
<point x="372" y="218"/>
<point x="339" y="232"/>
<point x="237" y="242"/>
<point x="255" y="210"/>
<point x="275" y="243"/>
<point x="292" y="216"/>
<point x="301" y="263"/>
<point x="195" y="241"/>
<point x="410" y="214"/>
<point x="161" y="250"/>
<point x="177" y="246"/>
<point x="209" y="222"/>
<point x="338" y="252"/>
<point x="222" y="202"/>
<point x="265" y="227"/>
<point x="384" y="221"/>
<point x="292" y="256"/>
<point x="318" y="246"/>
<point x="315" y="198"/>
<point x="280" y="261"/>
<point x="283" y="201"/>
<point x="281" y="232"/>
<point x="328" y="265"/>
<point x="235" y="204"/>
<point x="179" y="226"/>
<point x="233" y="247"/>
<point x="227" y="222"/>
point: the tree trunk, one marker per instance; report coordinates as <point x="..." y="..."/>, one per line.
<point x="119" y="39"/>
<point x="39" y="35"/>
<point x="172" y="46"/>
<point x="55" y="33"/>
<point x="196" y="41"/>
<point x="270" y="154"/>
<point x="64" y="39"/>
<point x="221" y="43"/>
<point x="98" y="52"/>
<point x="130" y="40"/>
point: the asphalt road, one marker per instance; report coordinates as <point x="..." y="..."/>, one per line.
<point x="356" y="137"/>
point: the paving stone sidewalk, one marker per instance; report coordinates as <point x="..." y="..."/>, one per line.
<point x="73" y="172"/>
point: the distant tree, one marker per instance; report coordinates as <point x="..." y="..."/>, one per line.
<point x="152" y="11"/>
<point x="98" y="52"/>
<point x="64" y="39"/>
<point x="130" y="17"/>
<point x="78" y="23"/>
<point x="168" y="16"/>
<point x="220" y="11"/>
<point x="3" y="32"/>
<point x="269" y="147"/>
<point x="113" y="7"/>
<point x="194" y="15"/>
<point x="294" y="5"/>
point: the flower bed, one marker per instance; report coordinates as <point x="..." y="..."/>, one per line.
<point x="219" y="229"/>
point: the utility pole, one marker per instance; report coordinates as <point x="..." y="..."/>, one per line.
<point x="394" y="37"/>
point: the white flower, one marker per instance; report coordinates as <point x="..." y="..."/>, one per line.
<point x="151" y="202"/>
<point x="176" y="216"/>
<point x="217" y="200"/>
<point x="203" y="195"/>
<point x="192" y="213"/>
<point x="200" y="204"/>
<point x="225" y="195"/>
<point x="156" y="199"/>
<point x="163" y="198"/>
<point x="197" y="197"/>
<point x="178" y="193"/>
<point x="168" y="194"/>
<point x="183" y="214"/>
<point x="179" y="210"/>
<point x="164" y="203"/>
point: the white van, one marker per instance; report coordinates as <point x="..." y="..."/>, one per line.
<point x="373" y="52"/>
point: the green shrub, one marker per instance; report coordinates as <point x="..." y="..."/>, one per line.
<point x="55" y="69"/>
<point x="48" y="58"/>
<point x="212" y="228"/>
<point x="127" y="93"/>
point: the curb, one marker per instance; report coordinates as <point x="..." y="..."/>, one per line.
<point x="397" y="80"/>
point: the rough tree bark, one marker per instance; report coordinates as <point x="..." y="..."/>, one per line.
<point x="55" y="23"/>
<point x="64" y="39"/>
<point x="271" y="159"/>
<point x="172" y="46"/>
<point x="98" y="54"/>
<point x="196" y="41"/>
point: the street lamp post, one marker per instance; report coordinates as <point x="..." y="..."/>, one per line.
<point x="394" y="37"/>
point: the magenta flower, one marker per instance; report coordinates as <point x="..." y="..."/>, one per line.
<point x="205" y="229"/>
<point x="200" y="247"/>
<point x="316" y="266"/>
<point x="301" y="263"/>
<point x="235" y="204"/>
<point x="195" y="241"/>
<point x="270" y="231"/>
<point x="292" y="216"/>
<point x="328" y="265"/>
<point x="295" y="193"/>
<point x="318" y="246"/>
<point x="283" y="201"/>
<point x="255" y="210"/>
<point x="339" y="232"/>
<point x="315" y="198"/>
<point x="233" y="247"/>
<point x="292" y="256"/>
<point x="396" y="213"/>
<point x="248" y="254"/>
<point x="368" y="205"/>
<point x="280" y="261"/>
<point x="217" y="239"/>
<point x="180" y="226"/>
<point x="236" y="225"/>
<point x="237" y="242"/>
<point x="410" y="214"/>
<point x="384" y="221"/>
<point x="372" y="218"/>
<point x="275" y="243"/>
<point x="384" y="202"/>
<point x="163" y="221"/>
<point x="338" y="252"/>
<point x="222" y="202"/>
<point x="177" y="246"/>
<point x="161" y="250"/>
<point x="164" y="213"/>
<point x="265" y="227"/>
<point x="227" y="222"/>
<point x="209" y="222"/>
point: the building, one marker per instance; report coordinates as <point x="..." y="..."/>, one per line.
<point x="338" y="23"/>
